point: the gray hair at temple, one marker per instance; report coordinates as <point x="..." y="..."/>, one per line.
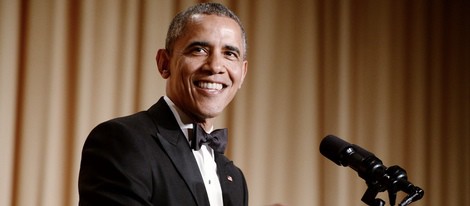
<point x="181" y="19"/>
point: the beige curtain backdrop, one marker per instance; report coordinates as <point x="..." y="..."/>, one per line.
<point x="390" y="75"/>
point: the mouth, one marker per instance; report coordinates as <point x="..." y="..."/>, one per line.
<point x="210" y="85"/>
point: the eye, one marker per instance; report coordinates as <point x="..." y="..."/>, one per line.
<point x="231" y="52"/>
<point x="198" y="51"/>
<point x="231" y="55"/>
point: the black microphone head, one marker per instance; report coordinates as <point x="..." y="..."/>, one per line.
<point x="332" y="147"/>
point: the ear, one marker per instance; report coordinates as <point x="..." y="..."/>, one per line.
<point x="244" y="71"/>
<point x="163" y="60"/>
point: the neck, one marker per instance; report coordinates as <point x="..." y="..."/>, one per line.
<point x="208" y="126"/>
<point x="187" y="118"/>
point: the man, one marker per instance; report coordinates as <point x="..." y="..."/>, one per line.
<point x="152" y="157"/>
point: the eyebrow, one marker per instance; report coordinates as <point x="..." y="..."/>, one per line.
<point x="198" y="43"/>
<point x="233" y="48"/>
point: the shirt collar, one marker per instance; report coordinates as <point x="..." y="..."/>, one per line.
<point x="183" y="120"/>
<point x="179" y="116"/>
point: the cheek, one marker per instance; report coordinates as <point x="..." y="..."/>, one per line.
<point x="180" y="72"/>
<point x="237" y="74"/>
<point x="186" y="67"/>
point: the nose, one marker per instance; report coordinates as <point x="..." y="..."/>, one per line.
<point x="215" y="64"/>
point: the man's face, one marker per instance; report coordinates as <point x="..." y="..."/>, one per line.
<point x="206" y="67"/>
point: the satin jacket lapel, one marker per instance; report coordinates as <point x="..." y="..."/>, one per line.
<point x="175" y="144"/>
<point x="225" y="177"/>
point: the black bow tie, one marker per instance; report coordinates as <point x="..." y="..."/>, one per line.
<point x="217" y="139"/>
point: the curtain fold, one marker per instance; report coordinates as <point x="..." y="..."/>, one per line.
<point x="392" y="76"/>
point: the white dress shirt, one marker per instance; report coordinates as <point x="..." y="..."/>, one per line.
<point x="204" y="158"/>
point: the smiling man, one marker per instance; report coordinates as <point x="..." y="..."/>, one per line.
<point x="171" y="154"/>
<point x="204" y="66"/>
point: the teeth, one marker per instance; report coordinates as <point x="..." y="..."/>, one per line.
<point x="210" y="85"/>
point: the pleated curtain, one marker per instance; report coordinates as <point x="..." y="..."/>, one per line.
<point x="392" y="76"/>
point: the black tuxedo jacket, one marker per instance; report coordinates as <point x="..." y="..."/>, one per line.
<point x="145" y="159"/>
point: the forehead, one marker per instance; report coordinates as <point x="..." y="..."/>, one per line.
<point x="212" y="18"/>
<point x="212" y="28"/>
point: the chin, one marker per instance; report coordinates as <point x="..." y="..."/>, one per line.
<point x="210" y="111"/>
<point x="209" y="114"/>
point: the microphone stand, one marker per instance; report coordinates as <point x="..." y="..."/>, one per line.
<point x="373" y="188"/>
<point x="393" y="180"/>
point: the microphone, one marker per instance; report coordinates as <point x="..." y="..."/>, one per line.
<point x="345" y="154"/>
<point x="370" y="168"/>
